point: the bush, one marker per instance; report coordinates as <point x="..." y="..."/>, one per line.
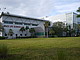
<point x="55" y="36"/>
<point x="1" y="37"/>
<point x="3" y="51"/>
<point x="24" y="37"/>
<point x="27" y="37"/>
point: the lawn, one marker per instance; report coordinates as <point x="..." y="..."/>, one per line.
<point x="65" y="48"/>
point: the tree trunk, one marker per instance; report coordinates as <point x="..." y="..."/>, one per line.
<point x="47" y="32"/>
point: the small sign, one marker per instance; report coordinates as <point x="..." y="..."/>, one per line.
<point x="12" y="26"/>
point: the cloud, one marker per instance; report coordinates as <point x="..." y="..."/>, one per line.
<point x="68" y="7"/>
<point x="38" y="8"/>
<point x="29" y="7"/>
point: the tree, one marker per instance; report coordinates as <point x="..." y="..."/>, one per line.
<point x="10" y="33"/>
<point x="72" y="32"/>
<point x="26" y="28"/>
<point x="32" y="31"/>
<point x="78" y="26"/>
<point x="22" y="29"/>
<point x="47" y="24"/>
<point x="58" y="27"/>
<point x="1" y="27"/>
<point x="51" y="32"/>
<point x="78" y="12"/>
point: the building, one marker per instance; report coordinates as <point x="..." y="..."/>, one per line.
<point x="70" y="20"/>
<point x="15" y="22"/>
<point x="67" y="18"/>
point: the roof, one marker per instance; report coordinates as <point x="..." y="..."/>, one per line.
<point x="38" y="29"/>
<point x="18" y="16"/>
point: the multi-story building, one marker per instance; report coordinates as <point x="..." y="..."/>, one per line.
<point x="15" y="22"/>
<point x="68" y="18"/>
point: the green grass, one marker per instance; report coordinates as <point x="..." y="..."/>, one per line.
<point x="67" y="48"/>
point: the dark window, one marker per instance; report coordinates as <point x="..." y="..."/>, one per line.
<point x="25" y="34"/>
<point x="34" y="24"/>
<point x="8" y="22"/>
<point x="18" y="23"/>
<point x="20" y="34"/>
<point x="11" y="34"/>
<point x="5" y="34"/>
<point x="27" y="23"/>
<point x="16" y="34"/>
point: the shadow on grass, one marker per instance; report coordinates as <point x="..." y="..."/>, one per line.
<point x="46" y="54"/>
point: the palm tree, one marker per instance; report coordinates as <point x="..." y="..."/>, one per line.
<point x="26" y="28"/>
<point x="47" y="24"/>
<point x="32" y="31"/>
<point x="22" y="29"/>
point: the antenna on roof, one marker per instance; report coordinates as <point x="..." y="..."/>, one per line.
<point x="3" y="10"/>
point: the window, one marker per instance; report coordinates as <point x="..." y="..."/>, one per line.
<point x="16" y="34"/>
<point x="8" y="22"/>
<point x="20" y="34"/>
<point x="11" y="34"/>
<point x="27" y="23"/>
<point x="18" y="23"/>
<point x="5" y="34"/>
<point x="34" y="24"/>
<point x="25" y="34"/>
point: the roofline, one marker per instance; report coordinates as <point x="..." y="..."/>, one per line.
<point x="12" y="15"/>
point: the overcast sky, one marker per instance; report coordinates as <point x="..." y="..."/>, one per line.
<point x="39" y="8"/>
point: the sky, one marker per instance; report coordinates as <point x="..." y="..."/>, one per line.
<point x="39" y="8"/>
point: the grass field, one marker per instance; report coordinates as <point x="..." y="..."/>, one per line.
<point x="66" y="48"/>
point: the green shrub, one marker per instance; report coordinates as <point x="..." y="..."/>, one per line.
<point x="55" y="36"/>
<point x="1" y="37"/>
<point x="3" y="51"/>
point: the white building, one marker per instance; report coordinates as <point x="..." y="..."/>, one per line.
<point x="68" y="18"/>
<point x="15" y="22"/>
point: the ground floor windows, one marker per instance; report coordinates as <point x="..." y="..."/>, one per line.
<point x="16" y="35"/>
<point x="20" y="34"/>
<point x="11" y="34"/>
<point x="25" y="34"/>
<point x="5" y="34"/>
<point x="39" y="34"/>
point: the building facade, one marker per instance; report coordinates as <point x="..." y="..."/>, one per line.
<point x="15" y="22"/>
<point x="70" y="19"/>
<point x="67" y="18"/>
